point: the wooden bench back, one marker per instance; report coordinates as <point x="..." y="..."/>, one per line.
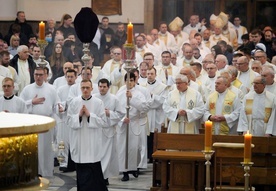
<point x="187" y="142"/>
<point x="263" y="145"/>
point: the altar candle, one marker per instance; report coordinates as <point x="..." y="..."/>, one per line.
<point x="129" y="33"/>
<point x="247" y="147"/>
<point x="208" y="135"/>
<point x="42" y="30"/>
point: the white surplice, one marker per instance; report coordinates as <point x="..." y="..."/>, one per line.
<point x="86" y="135"/>
<point x="47" y="108"/>
<point x="13" y="104"/>
<point x="137" y="105"/>
<point x="110" y="160"/>
<point x="258" y="114"/>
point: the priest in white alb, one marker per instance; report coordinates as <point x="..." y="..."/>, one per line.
<point x="183" y="107"/>
<point x="258" y="111"/>
<point x="156" y="116"/>
<point x="222" y="108"/>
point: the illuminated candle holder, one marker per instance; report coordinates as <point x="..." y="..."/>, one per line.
<point x="42" y="43"/>
<point x="128" y="56"/>
<point x="208" y="152"/>
<point x="247" y="158"/>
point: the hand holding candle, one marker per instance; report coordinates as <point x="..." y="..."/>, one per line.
<point x="41" y="30"/>
<point x="247" y="147"/>
<point x="208" y="135"/>
<point x="129" y="33"/>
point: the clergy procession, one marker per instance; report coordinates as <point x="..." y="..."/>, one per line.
<point x="182" y="76"/>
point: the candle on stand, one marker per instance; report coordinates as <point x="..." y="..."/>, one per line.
<point x="129" y="33"/>
<point x="208" y="135"/>
<point x="41" y="30"/>
<point x="247" y="147"/>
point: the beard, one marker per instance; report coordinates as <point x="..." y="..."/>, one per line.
<point x="5" y="64"/>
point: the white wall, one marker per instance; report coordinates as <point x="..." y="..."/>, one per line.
<point x="8" y="9"/>
<point x="45" y="9"/>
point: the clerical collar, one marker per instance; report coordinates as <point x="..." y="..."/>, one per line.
<point x="8" y="98"/>
<point x="166" y="67"/>
<point x="87" y="98"/>
<point x="142" y="76"/>
<point x="139" y="49"/>
<point x="151" y="83"/>
<point x="162" y="34"/>
<point x="223" y="93"/>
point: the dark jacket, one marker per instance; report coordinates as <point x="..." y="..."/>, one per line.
<point x="32" y="65"/>
<point x="25" y="28"/>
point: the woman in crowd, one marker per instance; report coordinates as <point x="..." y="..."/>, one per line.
<point x="57" y="61"/>
<point x="14" y="43"/>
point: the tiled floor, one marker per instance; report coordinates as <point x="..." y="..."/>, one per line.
<point x="67" y="182"/>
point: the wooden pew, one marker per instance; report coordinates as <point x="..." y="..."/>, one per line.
<point x="179" y="162"/>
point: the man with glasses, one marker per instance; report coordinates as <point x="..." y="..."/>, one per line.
<point x="262" y="57"/>
<point x="10" y="102"/>
<point x="41" y="99"/>
<point x="258" y="111"/>
<point x="169" y="71"/>
<point x="209" y="84"/>
<point x="114" y="70"/>
<point x="246" y="75"/>
<point x="150" y="60"/>
<point x="222" y="108"/>
<point x="184" y="108"/>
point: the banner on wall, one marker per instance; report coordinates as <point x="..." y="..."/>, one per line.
<point x="107" y="7"/>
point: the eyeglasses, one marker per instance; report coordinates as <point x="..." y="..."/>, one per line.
<point x="239" y="64"/>
<point x="257" y="57"/>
